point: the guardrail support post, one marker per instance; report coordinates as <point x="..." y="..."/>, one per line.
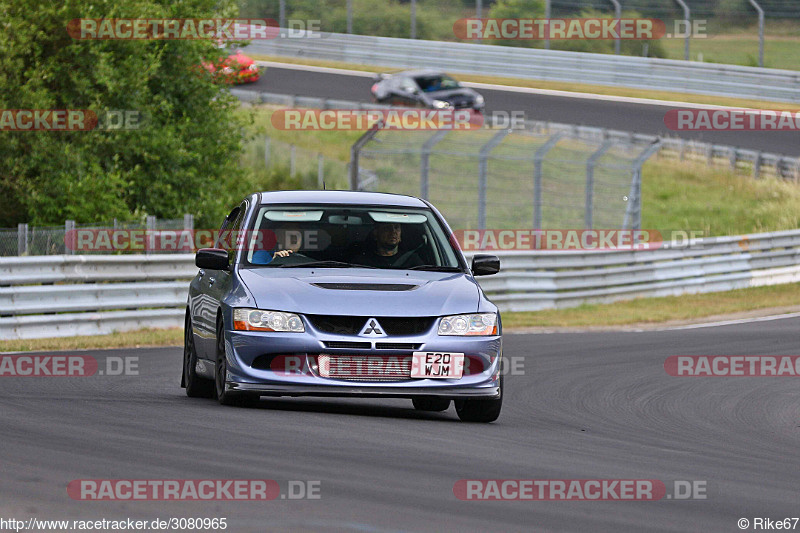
<point x="349" y="16"/>
<point x="424" y="161"/>
<point x="633" y="212"/>
<point x="760" y="32"/>
<point x="686" y="18"/>
<point x="69" y="237"/>
<point x="188" y="222"/>
<point x="590" y="164"/>
<point x="538" y="157"/>
<point x="355" y="152"/>
<point x="22" y="239"/>
<point x="618" y="16"/>
<point x="281" y="13"/>
<point x="483" y="170"/>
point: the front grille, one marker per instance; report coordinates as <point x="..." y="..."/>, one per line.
<point x="352" y="325"/>
<point x="397" y="346"/>
<point x="365" y="367"/>
<point x="348" y="344"/>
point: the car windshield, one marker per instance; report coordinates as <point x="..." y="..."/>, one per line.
<point x="442" y="82"/>
<point x="349" y="237"/>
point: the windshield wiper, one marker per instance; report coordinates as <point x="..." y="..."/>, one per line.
<point x="326" y="264"/>
<point x="436" y="268"/>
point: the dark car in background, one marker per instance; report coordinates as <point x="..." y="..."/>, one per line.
<point x="431" y="89"/>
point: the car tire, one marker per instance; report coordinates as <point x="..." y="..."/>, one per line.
<point x="196" y="386"/>
<point x="221" y="374"/>
<point x="480" y="410"/>
<point x="431" y="403"/>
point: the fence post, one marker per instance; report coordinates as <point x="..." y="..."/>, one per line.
<point x="22" y="239"/>
<point x="618" y="16"/>
<point x="266" y="151"/>
<point x="633" y="212"/>
<point x="413" y="19"/>
<point x="686" y="17"/>
<point x="547" y="26"/>
<point x="282" y="13"/>
<point x="292" y="159"/>
<point x="590" y="164"/>
<point x="424" y="161"/>
<point x="188" y="222"/>
<point x="355" y="152"/>
<point x="69" y="237"/>
<point x="760" y="32"/>
<point x="757" y="166"/>
<point x="349" y="16"/>
<point x="320" y="171"/>
<point x="150" y="226"/>
<point x="483" y="169"/>
<point x="538" y="157"/>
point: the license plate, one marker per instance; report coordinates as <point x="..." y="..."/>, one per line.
<point x="437" y="365"/>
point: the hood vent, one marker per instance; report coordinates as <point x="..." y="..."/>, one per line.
<point x="366" y="286"/>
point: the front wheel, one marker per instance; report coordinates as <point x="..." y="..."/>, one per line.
<point x="480" y="410"/>
<point x="221" y="375"/>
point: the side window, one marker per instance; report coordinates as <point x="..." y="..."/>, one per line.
<point x="236" y="238"/>
<point x="408" y="85"/>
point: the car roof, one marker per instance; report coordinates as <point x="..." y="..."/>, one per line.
<point x="340" y="197"/>
<point x="419" y="72"/>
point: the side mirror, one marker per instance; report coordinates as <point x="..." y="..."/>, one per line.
<point x="212" y="258"/>
<point x="485" y="265"/>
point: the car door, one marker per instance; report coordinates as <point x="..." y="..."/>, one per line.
<point x="406" y="93"/>
<point x="210" y="287"/>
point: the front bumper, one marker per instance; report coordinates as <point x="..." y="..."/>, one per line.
<point x="244" y="350"/>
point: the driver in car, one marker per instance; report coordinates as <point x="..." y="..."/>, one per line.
<point x="384" y="249"/>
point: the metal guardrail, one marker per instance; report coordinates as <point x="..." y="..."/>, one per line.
<point x="91" y="299"/>
<point x="531" y="281"/>
<point x="549" y="65"/>
<point x="68" y="295"/>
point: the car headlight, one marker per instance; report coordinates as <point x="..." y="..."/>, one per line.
<point x="245" y="319"/>
<point x="479" y="100"/>
<point x="441" y="104"/>
<point x="475" y="324"/>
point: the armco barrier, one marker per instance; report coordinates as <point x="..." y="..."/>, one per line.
<point x="101" y="294"/>
<point x="555" y="65"/>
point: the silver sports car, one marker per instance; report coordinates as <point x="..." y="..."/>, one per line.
<point x="338" y="293"/>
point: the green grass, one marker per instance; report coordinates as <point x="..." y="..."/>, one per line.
<point x="129" y="339"/>
<point x="641" y="311"/>
<point x="739" y="49"/>
<point x="716" y="201"/>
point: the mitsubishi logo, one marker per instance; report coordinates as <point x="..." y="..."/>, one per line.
<point x="372" y="329"/>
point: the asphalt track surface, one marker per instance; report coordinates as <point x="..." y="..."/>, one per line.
<point x="588" y="406"/>
<point x="625" y="116"/>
